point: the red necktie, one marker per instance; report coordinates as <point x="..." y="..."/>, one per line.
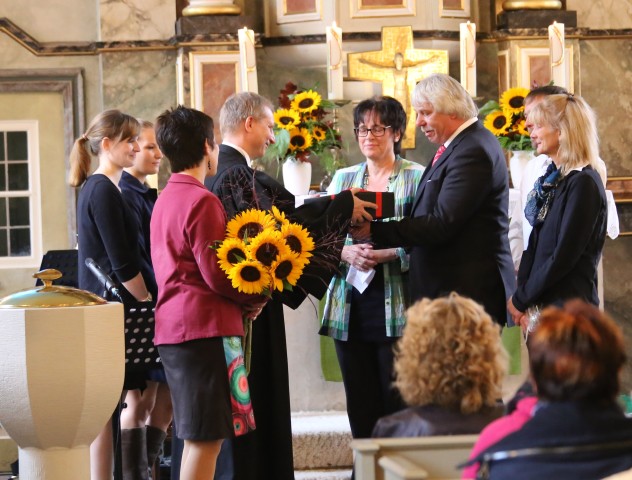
<point x="438" y="154"/>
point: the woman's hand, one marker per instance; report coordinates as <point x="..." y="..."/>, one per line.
<point x="253" y="310"/>
<point x="361" y="256"/>
<point x="517" y="316"/>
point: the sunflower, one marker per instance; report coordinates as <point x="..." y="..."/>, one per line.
<point x="319" y="133"/>
<point x="521" y="127"/>
<point x="287" y="269"/>
<point x="249" y="277"/>
<point x="249" y="224"/>
<point x="300" y="139"/>
<point x="497" y="122"/>
<point x="267" y="246"/>
<point x="279" y="216"/>
<point x="512" y="101"/>
<point x="306" y="101"/>
<point x="231" y="252"/>
<point x="298" y="239"/>
<point x="287" y="119"/>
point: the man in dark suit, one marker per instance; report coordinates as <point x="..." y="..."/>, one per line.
<point x="246" y="122"/>
<point x="458" y="227"/>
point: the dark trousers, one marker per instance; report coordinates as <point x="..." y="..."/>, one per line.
<point x="367" y="374"/>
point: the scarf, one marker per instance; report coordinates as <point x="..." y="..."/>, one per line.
<point x="540" y="198"/>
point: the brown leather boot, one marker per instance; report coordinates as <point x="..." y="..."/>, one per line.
<point x="134" y="453"/>
<point x="155" y="439"/>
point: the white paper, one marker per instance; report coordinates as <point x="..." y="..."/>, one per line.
<point x="359" y="279"/>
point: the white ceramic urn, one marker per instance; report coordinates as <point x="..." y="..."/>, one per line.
<point x="61" y="375"/>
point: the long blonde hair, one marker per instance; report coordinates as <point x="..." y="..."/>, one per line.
<point x="112" y="124"/>
<point x="577" y="124"/>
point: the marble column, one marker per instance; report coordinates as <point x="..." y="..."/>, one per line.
<point x="211" y="7"/>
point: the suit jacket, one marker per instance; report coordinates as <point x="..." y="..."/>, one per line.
<point x="458" y="227"/>
<point x="561" y="260"/>
<point x="239" y="187"/>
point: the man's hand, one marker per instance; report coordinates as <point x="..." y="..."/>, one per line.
<point x="359" y="209"/>
<point x="518" y="317"/>
<point x="361" y="232"/>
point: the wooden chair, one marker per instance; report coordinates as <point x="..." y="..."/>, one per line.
<point x="422" y="458"/>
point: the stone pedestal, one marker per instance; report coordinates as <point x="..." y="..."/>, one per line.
<point x="536" y="18"/>
<point x="205" y="24"/>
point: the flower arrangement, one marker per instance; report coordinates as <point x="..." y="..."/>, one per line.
<point x="301" y="129"/>
<point x="506" y="119"/>
<point x="263" y="252"/>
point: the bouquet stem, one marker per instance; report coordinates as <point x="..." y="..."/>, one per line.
<point x="246" y="343"/>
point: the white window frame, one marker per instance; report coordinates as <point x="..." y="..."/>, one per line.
<point x="31" y="127"/>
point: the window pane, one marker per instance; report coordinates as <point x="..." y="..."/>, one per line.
<point x="19" y="212"/>
<point x="3" y="212"/>
<point x="18" y="176"/>
<point x="2" y="146"/>
<point x="20" y="240"/>
<point x="3" y="177"/>
<point x="4" y="250"/>
<point x="17" y="148"/>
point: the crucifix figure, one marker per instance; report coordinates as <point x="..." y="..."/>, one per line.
<point x="398" y="66"/>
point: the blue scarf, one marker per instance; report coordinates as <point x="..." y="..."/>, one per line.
<point x="540" y="198"/>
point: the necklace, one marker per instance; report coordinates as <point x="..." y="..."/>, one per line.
<point x="365" y="180"/>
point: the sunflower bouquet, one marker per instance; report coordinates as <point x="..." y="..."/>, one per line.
<point x="263" y="252"/>
<point x="506" y="120"/>
<point x="301" y="128"/>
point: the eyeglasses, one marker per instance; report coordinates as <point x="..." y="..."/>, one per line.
<point x="377" y="131"/>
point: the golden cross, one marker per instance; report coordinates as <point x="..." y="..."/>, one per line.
<point x="398" y="66"/>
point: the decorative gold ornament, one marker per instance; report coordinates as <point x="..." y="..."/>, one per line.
<point x="210" y="7"/>
<point x="509" y="5"/>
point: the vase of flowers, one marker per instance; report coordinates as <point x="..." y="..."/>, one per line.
<point x="506" y="120"/>
<point x="302" y="133"/>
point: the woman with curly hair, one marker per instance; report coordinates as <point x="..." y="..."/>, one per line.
<point x="449" y="366"/>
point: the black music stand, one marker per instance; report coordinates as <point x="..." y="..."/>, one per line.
<point x="67" y="262"/>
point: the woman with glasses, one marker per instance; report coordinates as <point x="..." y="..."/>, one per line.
<point x="366" y="324"/>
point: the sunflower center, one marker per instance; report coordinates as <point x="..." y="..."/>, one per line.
<point x="294" y="243"/>
<point x="516" y="102"/>
<point x="286" y="120"/>
<point x="298" y="141"/>
<point x="250" y="273"/>
<point x="266" y="254"/>
<point x="235" y="255"/>
<point x="283" y="269"/>
<point x="249" y="230"/>
<point x="306" y="103"/>
<point x="500" y="121"/>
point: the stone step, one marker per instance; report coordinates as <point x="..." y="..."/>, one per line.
<point x="343" y="474"/>
<point x="321" y="441"/>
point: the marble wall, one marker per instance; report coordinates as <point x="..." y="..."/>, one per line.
<point x="598" y="14"/>
<point x="137" y="19"/>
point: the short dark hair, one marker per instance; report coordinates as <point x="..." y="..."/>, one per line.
<point x="545" y="90"/>
<point x="390" y="112"/>
<point x="576" y="354"/>
<point x="181" y="134"/>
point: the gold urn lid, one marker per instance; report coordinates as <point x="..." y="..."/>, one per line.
<point x="49" y="295"/>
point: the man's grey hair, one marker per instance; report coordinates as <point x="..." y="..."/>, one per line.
<point x="238" y="107"/>
<point x="446" y="95"/>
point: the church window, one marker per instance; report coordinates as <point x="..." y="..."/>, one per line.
<point x="20" y="245"/>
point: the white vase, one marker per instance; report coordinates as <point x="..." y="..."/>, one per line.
<point x="297" y="176"/>
<point x="517" y="163"/>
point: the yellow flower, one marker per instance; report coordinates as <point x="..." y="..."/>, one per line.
<point x="300" y="139"/>
<point x="521" y="127"/>
<point x="288" y="268"/>
<point x="249" y="224"/>
<point x="279" y="216"/>
<point x="298" y="239"/>
<point x="287" y="119"/>
<point x="306" y="101"/>
<point x="231" y="252"/>
<point x="497" y="122"/>
<point x="319" y="133"/>
<point x="512" y="101"/>
<point x="249" y="277"/>
<point x="267" y="246"/>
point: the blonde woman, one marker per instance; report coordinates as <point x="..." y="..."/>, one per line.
<point x="449" y="366"/>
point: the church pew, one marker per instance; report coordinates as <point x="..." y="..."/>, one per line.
<point x="434" y="457"/>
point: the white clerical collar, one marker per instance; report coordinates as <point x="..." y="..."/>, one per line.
<point x="463" y="126"/>
<point x="240" y="150"/>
